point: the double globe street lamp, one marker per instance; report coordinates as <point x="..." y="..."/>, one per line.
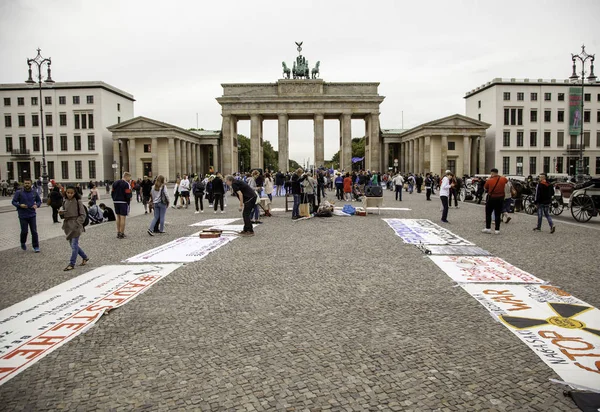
<point x="39" y="62"/>
<point x="583" y="57"/>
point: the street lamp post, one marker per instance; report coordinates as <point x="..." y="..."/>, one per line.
<point x="582" y="57"/>
<point x="39" y="62"/>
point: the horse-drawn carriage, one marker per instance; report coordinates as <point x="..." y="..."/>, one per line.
<point x="585" y="200"/>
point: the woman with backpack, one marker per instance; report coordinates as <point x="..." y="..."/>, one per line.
<point x="198" y="188"/>
<point x="74" y="214"/>
<point x="160" y="199"/>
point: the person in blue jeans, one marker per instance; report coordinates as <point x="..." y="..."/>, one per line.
<point x="543" y="197"/>
<point x="296" y="183"/>
<point x="27" y="201"/>
<point x="73" y="214"/>
<point x="160" y="200"/>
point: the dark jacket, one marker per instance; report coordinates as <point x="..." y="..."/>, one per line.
<point x="56" y="198"/>
<point x="29" y="198"/>
<point x="121" y="192"/>
<point x="296" y="187"/>
<point x="217" y="185"/>
<point x="543" y="193"/>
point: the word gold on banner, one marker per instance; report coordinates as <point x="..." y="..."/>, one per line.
<point x="482" y="269"/>
<point x="424" y="231"/>
<point x="36" y="326"/>
<point x="182" y="250"/>
<point x="561" y="329"/>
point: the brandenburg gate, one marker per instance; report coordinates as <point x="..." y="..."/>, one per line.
<point x="305" y="98"/>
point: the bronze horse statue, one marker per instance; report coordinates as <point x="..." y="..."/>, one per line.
<point x="286" y="71"/>
<point x="315" y="71"/>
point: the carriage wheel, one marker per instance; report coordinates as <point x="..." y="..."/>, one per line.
<point x="582" y="207"/>
<point x="529" y="206"/>
<point x="556" y="207"/>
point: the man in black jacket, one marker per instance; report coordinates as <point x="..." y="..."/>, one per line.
<point x="146" y="186"/>
<point x="544" y="192"/>
<point x="247" y="197"/>
<point x="218" y="191"/>
<point x="297" y="179"/>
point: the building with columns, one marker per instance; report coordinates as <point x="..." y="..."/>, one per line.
<point x="147" y="147"/>
<point x="300" y="99"/>
<point x="455" y="142"/>
<point x="78" y="145"/>
<point x="529" y="130"/>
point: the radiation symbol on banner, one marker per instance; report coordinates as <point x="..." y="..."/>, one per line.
<point x="566" y="313"/>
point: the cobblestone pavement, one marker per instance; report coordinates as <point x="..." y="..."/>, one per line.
<point x="323" y="314"/>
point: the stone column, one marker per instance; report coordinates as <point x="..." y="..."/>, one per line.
<point x="467" y="155"/>
<point x="132" y="159"/>
<point x="255" y="128"/>
<point x="124" y="155"/>
<point x="177" y="161"/>
<point x="411" y="156"/>
<point x="375" y="143"/>
<point x="346" y="147"/>
<point x="482" y="154"/>
<point x="227" y="143"/>
<point x="194" y="168"/>
<point x="319" y="126"/>
<point x="421" y="154"/>
<point x="427" y="154"/>
<point x="283" y="142"/>
<point x="403" y="157"/>
<point x="235" y="158"/>
<point x="474" y="143"/>
<point x="215" y="150"/>
<point x="154" y="148"/>
<point x="444" y="158"/>
<point x="185" y="156"/>
<point x="386" y="157"/>
<point x="172" y="156"/>
<point x="189" y="157"/>
<point x="116" y="158"/>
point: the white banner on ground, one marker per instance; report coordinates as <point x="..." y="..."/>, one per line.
<point x="228" y="229"/>
<point x="482" y="269"/>
<point x="36" y="326"/>
<point x="383" y="208"/>
<point x="454" y="250"/>
<point x="423" y="231"/>
<point x="561" y="329"/>
<point x="182" y="250"/>
<point x="212" y="222"/>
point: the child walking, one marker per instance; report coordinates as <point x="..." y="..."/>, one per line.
<point x="73" y="213"/>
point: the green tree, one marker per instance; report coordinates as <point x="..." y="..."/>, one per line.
<point x="358" y="150"/>
<point x="243" y="153"/>
<point x="270" y="156"/>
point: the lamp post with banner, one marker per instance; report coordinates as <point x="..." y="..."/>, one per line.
<point x="39" y="62"/>
<point x="577" y="120"/>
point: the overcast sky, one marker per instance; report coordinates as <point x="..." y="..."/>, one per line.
<point x="174" y="55"/>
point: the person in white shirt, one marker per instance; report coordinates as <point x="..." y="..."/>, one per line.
<point x="184" y="189"/>
<point x="445" y="187"/>
<point x="398" y="184"/>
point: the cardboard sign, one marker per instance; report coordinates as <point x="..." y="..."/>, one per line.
<point x="423" y="231"/>
<point x="36" y="326"/>
<point x="182" y="250"/>
<point x="213" y="222"/>
<point x="482" y="269"/>
<point x="561" y="329"/>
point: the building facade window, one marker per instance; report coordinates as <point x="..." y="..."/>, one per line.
<point x="10" y="171"/>
<point x="62" y="119"/>
<point x="48" y="119"/>
<point x="119" y="119"/>
<point x="598" y="116"/>
<point x="77" y="125"/>
<point x="90" y="99"/>
<point x="533" y="97"/>
<point x="533" y="138"/>
<point x="547" y="97"/>
<point x="75" y="99"/>
<point x="506" y="138"/>
<point x="78" y="170"/>
<point x="520" y="165"/>
<point x="148" y="148"/>
<point x="37" y="167"/>
<point x="47" y="100"/>
<point x="546" y="164"/>
<point x="532" y="166"/>
<point x="451" y="145"/>
<point x="51" y="173"/>
<point x="20" y="101"/>
<point x="559" y="164"/>
<point x="513" y="117"/>
<point x="64" y="168"/>
<point x="22" y="143"/>
<point x="92" y="169"/>
<point x="7" y="101"/>
<point x="506" y="165"/>
<point x="21" y="120"/>
<point x="479" y="116"/>
<point x="598" y="165"/>
<point x="560" y="116"/>
<point x="560" y="138"/>
<point x="586" y="139"/>
<point x="77" y="141"/>
<point x="91" y="142"/>
<point x="506" y="96"/>
<point x="561" y="97"/>
<point x="547" y="115"/>
<point x="598" y="140"/>
<point x="9" y="144"/>
<point x="587" y="115"/>
<point x="547" y="139"/>
<point x="90" y="121"/>
<point x="49" y="143"/>
<point x="36" y="143"/>
<point x="34" y="101"/>
<point x="119" y="106"/>
<point x="64" y="145"/>
<point x="62" y="99"/>
<point x="587" y="97"/>
<point x="35" y="120"/>
<point x="520" y="138"/>
<point x="520" y="96"/>
<point x="7" y="120"/>
<point x="533" y="116"/>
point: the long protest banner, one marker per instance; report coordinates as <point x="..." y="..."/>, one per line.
<point x="561" y="329"/>
<point x="424" y="231"/>
<point x="33" y="328"/>
<point x="213" y="222"/>
<point x="482" y="269"/>
<point x="455" y="250"/>
<point x="182" y="250"/>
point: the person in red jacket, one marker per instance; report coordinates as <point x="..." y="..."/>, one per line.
<point x="494" y="187"/>
<point x="348" y="187"/>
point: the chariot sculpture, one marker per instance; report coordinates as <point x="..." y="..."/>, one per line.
<point x="300" y="69"/>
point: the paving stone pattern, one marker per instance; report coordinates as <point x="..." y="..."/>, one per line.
<point x="324" y="314"/>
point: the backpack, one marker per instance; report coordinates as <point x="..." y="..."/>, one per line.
<point x="199" y="188"/>
<point x="86" y="221"/>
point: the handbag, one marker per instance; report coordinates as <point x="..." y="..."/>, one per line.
<point x="304" y="209"/>
<point x="163" y="197"/>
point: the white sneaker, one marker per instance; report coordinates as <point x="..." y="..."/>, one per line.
<point x="215" y="212"/>
<point x="196" y="212"/>
<point x="222" y="211"/>
<point x="487" y="231"/>
<point x="202" y="211"/>
<point x="496" y="232"/>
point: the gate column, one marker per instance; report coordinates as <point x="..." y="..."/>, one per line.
<point x="319" y="125"/>
<point x="283" y="141"/>
<point x="255" y="136"/>
<point x="346" y="147"/>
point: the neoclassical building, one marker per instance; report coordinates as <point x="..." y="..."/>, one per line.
<point x="147" y="147"/>
<point x="455" y="142"/>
